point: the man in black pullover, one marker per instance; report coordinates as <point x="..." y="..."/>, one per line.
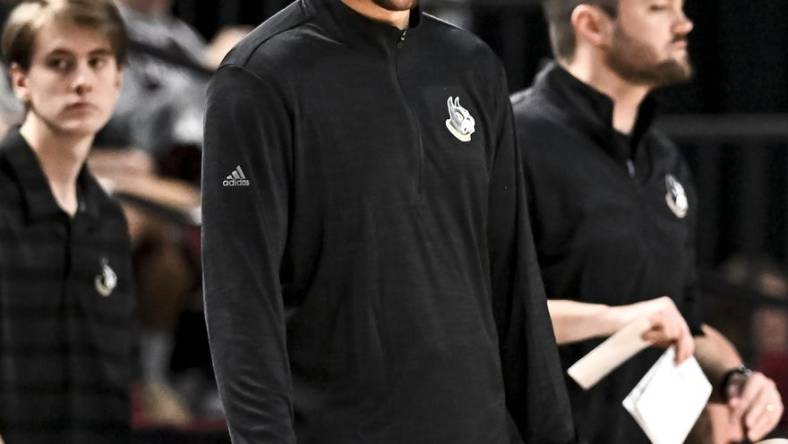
<point x="369" y="268"/>
<point x="614" y="209"/>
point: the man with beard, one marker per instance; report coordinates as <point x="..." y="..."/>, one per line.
<point x="614" y="209"/>
<point x="368" y="264"/>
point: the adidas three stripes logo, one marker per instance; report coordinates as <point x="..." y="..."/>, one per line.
<point x="236" y="179"/>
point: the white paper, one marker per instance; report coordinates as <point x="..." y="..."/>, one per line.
<point x="616" y="349"/>
<point x="669" y="398"/>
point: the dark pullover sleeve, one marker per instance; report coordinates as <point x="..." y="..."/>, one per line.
<point x="536" y="394"/>
<point x="692" y="301"/>
<point x="247" y="138"/>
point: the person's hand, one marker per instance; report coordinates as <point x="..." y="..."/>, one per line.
<point x="754" y="403"/>
<point x="668" y="326"/>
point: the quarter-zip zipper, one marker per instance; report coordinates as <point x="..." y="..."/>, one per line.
<point x="402" y="36"/>
<point x="411" y="113"/>
<point x="631" y="168"/>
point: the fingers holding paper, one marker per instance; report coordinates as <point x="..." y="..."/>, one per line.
<point x="756" y="405"/>
<point x="668" y="327"/>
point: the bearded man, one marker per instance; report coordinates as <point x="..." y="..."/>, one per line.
<point x="614" y="209"/>
<point x="368" y="264"/>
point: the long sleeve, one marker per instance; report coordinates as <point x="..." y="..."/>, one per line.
<point x="535" y="387"/>
<point x="245" y="185"/>
<point x="692" y="298"/>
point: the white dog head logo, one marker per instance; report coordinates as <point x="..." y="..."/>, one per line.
<point x="460" y="122"/>
<point x="676" y="198"/>
<point x="107" y="280"/>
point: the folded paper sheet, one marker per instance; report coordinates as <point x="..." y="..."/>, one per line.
<point x="668" y="400"/>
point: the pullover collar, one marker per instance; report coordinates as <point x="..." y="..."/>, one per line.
<point x="359" y="30"/>
<point x="592" y="111"/>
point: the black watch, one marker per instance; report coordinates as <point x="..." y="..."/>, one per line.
<point x="733" y="380"/>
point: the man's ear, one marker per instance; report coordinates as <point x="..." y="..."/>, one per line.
<point x="19" y="82"/>
<point x="592" y="25"/>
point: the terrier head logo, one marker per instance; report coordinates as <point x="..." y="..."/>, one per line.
<point x="107" y="280"/>
<point x="460" y="122"/>
<point x="676" y="198"/>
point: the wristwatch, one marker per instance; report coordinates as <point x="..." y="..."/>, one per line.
<point x="733" y="380"/>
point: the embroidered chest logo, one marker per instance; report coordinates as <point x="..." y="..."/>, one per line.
<point x="107" y="280"/>
<point x="676" y="198"/>
<point x="460" y="123"/>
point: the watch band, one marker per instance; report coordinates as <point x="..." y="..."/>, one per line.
<point x="733" y="380"/>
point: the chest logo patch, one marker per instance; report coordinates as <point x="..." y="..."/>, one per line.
<point x="676" y="198"/>
<point x="107" y="280"/>
<point x="460" y="122"/>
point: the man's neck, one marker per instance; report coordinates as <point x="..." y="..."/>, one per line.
<point x="626" y="96"/>
<point x="398" y="19"/>
<point x="61" y="158"/>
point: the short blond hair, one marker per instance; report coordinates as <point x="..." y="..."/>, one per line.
<point x="27" y="19"/>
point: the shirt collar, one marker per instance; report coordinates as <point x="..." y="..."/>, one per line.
<point x="359" y="29"/>
<point x="591" y="109"/>
<point x="39" y="202"/>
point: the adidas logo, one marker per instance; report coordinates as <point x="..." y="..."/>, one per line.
<point x="236" y="179"/>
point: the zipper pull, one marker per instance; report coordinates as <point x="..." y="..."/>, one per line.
<point x="402" y="36"/>
<point x="631" y="168"/>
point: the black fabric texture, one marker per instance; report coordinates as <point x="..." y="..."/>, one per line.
<point x="357" y="284"/>
<point x="602" y="234"/>
<point x="65" y="346"/>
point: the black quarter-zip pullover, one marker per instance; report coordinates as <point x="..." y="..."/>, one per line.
<point x="608" y="225"/>
<point x="369" y="269"/>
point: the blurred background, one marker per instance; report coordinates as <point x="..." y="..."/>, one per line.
<point x="731" y="122"/>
